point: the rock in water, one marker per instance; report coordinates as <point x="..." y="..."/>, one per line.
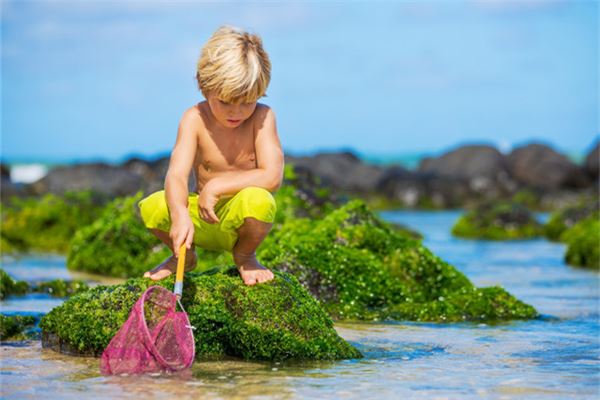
<point x="501" y="220"/>
<point x="360" y="268"/>
<point x="271" y="321"/>
<point x="582" y="241"/>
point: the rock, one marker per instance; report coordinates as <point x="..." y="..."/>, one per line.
<point x="8" y="286"/>
<point x="424" y="190"/>
<point x="340" y="171"/>
<point x="16" y="327"/>
<point x="98" y="177"/>
<point x="500" y="220"/>
<point x="361" y="268"/>
<point x="567" y="217"/>
<point x="55" y="288"/>
<point x="60" y="287"/>
<point x="582" y="241"/>
<point x="539" y="166"/>
<point x="153" y="173"/>
<point x="470" y="162"/>
<point x="48" y="223"/>
<point x="117" y="243"/>
<point x="273" y="321"/>
<point x="9" y="188"/>
<point x="591" y="162"/>
<point x="482" y="166"/>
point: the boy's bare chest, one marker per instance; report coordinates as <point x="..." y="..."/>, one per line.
<point x="221" y="153"/>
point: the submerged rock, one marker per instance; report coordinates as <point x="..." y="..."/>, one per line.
<point x="500" y="220"/>
<point x="583" y="242"/>
<point x="272" y="321"/>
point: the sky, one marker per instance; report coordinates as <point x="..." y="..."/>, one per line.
<point x="108" y="79"/>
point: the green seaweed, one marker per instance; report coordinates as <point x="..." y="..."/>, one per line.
<point x="46" y="223"/>
<point x="9" y="286"/>
<point x="272" y="321"/>
<point x="500" y="220"/>
<point x="16" y="327"/>
<point x="117" y="243"/>
<point x="55" y="288"/>
<point x="361" y="268"/>
<point x="567" y="217"/>
<point x="61" y="288"/>
<point x="583" y="242"/>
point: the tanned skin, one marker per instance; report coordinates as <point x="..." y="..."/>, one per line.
<point x="229" y="147"/>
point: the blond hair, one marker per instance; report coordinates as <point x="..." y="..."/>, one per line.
<point x="234" y="65"/>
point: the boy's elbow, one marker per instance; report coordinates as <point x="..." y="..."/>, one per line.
<point x="275" y="184"/>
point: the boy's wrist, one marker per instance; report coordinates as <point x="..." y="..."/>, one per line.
<point x="179" y="213"/>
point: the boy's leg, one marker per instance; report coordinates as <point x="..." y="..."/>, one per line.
<point x="155" y="214"/>
<point x="169" y="266"/>
<point x="250" y="235"/>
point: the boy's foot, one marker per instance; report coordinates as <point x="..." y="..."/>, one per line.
<point x="251" y="270"/>
<point x="169" y="266"/>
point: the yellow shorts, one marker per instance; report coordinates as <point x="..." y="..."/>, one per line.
<point x="252" y="202"/>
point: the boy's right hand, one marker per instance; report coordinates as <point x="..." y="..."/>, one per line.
<point x="182" y="232"/>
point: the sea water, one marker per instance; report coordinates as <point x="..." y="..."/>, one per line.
<point x="556" y="356"/>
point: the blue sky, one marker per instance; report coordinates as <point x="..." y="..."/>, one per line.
<point x="103" y="79"/>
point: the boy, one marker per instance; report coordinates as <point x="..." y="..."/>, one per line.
<point x="231" y="142"/>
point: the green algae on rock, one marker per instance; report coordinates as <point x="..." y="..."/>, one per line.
<point x="9" y="286"/>
<point x="361" y="268"/>
<point x="567" y="217"/>
<point x="501" y="220"/>
<point x="55" y="288"/>
<point x="46" y="223"/>
<point x="117" y="243"/>
<point x="272" y="321"/>
<point x="60" y="287"/>
<point x="15" y="327"/>
<point x="583" y="242"/>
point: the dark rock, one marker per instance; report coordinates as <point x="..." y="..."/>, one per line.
<point x="98" y="177"/>
<point x="342" y="170"/>
<point x="591" y="162"/>
<point x="538" y="165"/>
<point x="416" y="189"/>
<point x="482" y="166"/>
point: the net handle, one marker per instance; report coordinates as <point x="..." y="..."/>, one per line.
<point x="178" y="289"/>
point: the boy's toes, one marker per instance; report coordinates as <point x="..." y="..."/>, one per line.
<point x="162" y="274"/>
<point x="265" y="276"/>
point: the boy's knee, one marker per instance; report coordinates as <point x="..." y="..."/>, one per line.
<point x="154" y="209"/>
<point x="259" y="203"/>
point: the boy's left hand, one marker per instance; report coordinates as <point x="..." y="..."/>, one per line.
<point x="207" y="200"/>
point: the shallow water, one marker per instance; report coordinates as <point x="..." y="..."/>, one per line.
<point x="554" y="357"/>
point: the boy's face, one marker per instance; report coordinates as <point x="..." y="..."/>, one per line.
<point x="227" y="114"/>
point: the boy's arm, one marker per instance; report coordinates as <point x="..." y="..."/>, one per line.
<point x="270" y="161"/>
<point x="180" y="165"/>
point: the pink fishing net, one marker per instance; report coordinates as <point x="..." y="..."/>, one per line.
<point x="154" y="338"/>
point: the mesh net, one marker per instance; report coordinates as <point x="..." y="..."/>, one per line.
<point x="154" y="338"/>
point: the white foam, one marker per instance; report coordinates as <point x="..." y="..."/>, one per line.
<point x="27" y="173"/>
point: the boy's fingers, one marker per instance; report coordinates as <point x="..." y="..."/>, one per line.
<point x="213" y="216"/>
<point x="190" y="238"/>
